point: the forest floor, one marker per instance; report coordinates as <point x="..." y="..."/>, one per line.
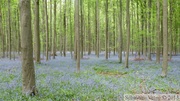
<point x="98" y="80"/>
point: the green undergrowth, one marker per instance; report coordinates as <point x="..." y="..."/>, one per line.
<point x="108" y="71"/>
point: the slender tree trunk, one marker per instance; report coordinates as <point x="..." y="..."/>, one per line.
<point x="89" y="29"/>
<point x="149" y="30"/>
<point x="170" y="29"/>
<point x="1" y="31"/>
<point x="132" y="29"/>
<point x="37" y="36"/>
<point x="60" y="28"/>
<point x="14" y="43"/>
<point x="106" y="41"/>
<point x="120" y="32"/>
<point x="6" y="36"/>
<point x="1" y="34"/>
<point x="9" y="27"/>
<point x="19" y="36"/>
<point x="54" y="37"/>
<point x="75" y="41"/>
<point x="47" y="31"/>
<point x="77" y="34"/>
<point x="139" y="36"/>
<point x="114" y="32"/>
<point x="128" y="33"/>
<point x="145" y="29"/>
<point x="64" y="48"/>
<point x="71" y="47"/>
<point x="97" y="28"/>
<point x="43" y="29"/>
<point x="165" y="39"/>
<point x="28" y="72"/>
<point x="142" y="28"/>
<point x="158" y="33"/>
<point x="50" y="31"/>
<point x="6" y="31"/>
<point x="161" y="32"/>
<point x="82" y="30"/>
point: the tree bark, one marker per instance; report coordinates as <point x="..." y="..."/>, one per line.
<point x="2" y="35"/>
<point x="36" y="31"/>
<point x="19" y="36"/>
<point x="60" y="28"/>
<point x="139" y="36"/>
<point x="132" y="29"/>
<point x="158" y="33"/>
<point x="145" y="28"/>
<point x="114" y="32"/>
<point x="89" y="29"/>
<point x="97" y="28"/>
<point x="142" y="28"/>
<point x="107" y="35"/>
<point x="120" y="32"/>
<point x="149" y="30"/>
<point x="9" y="27"/>
<point x="165" y="39"/>
<point x="47" y="31"/>
<point x="54" y="36"/>
<point x="82" y="30"/>
<point x="128" y="33"/>
<point x="50" y="30"/>
<point x="28" y="72"/>
<point x="64" y="48"/>
<point x="170" y="29"/>
<point x="71" y="46"/>
<point x="77" y="34"/>
<point x="44" y="28"/>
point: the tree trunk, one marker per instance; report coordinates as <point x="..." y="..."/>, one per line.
<point x="97" y="28"/>
<point x="50" y="31"/>
<point x="47" y="31"/>
<point x="144" y="29"/>
<point x="9" y="27"/>
<point x="89" y="29"/>
<point x="128" y="33"/>
<point x="158" y="33"/>
<point x="2" y="35"/>
<point x="107" y="35"/>
<point x="132" y="29"/>
<point x="170" y="29"/>
<point x="14" y="43"/>
<point x="149" y="30"/>
<point x="165" y="39"/>
<point x="71" y="47"/>
<point x="64" y="48"/>
<point x="120" y="32"/>
<point x="19" y="36"/>
<point x="28" y="72"/>
<point x="36" y="31"/>
<point x="139" y="36"/>
<point x="114" y="32"/>
<point x="44" y="28"/>
<point x="77" y="34"/>
<point x="82" y="30"/>
<point x="54" y="37"/>
<point x="60" y="28"/>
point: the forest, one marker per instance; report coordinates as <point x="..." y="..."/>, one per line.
<point x="89" y="50"/>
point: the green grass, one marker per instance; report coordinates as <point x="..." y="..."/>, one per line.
<point x="108" y="71"/>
